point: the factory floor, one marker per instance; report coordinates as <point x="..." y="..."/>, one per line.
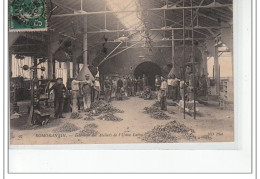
<point x="211" y="125"/>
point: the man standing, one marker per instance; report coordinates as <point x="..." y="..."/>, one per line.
<point x="125" y="86"/>
<point x="139" y="84"/>
<point x="175" y="85"/>
<point x="163" y="94"/>
<point x="119" y="89"/>
<point x="157" y="85"/>
<point x="86" y="91"/>
<point x="135" y="85"/>
<point x="97" y="89"/>
<point x="130" y="85"/>
<point x="59" y="92"/>
<point x="144" y="80"/>
<point x="75" y="96"/>
<point x="114" y="84"/>
<point x="107" y="88"/>
<point x="170" y="87"/>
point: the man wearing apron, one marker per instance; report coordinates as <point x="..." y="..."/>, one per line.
<point x="75" y="96"/>
<point x="86" y="91"/>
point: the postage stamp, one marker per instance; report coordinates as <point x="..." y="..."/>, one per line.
<point x="27" y="15"/>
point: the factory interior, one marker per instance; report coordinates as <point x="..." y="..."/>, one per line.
<point x="164" y="69"/>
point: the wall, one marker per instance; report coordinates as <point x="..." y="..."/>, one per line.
<point x="126" y="62"/>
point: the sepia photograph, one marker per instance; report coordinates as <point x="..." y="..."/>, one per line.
<point x="120" y="71"/>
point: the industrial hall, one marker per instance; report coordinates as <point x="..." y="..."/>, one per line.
<point x="121" y="71"/>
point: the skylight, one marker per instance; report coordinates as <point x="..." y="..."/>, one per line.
<point x="128" y="19"/>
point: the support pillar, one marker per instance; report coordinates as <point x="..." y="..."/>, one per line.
<point x="85" y="70"/>
<point x="50" y="63"/>
<point x="68" y="69"/>
<point x="172" y="72"/>
<point x="53" y="69"/>
<point x="75" y="66"/>
<point x="173" y="48"/>
<point x="216" y="71"/>
<point x="85" y="43"/>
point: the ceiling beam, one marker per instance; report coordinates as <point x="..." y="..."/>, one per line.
<point x="163" y="29"/>
<point x="197" y="10"/>
<point x="162" y="40"/>
<point x="152" y="9"/>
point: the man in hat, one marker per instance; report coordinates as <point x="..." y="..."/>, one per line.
<point x="170" y="87"/>
<point x="75" y="95"/>
<point x="97" y="89"/>
<point x="108" y="89"/>
<point x="175" y="85"/>
<point x="125" y="87"/>
<point x="119" y="89"/>
<point x="163" y="94"/>
<point x="157" y="85"/>
<point x="144" y="81"/>
<point x="86" y="91"/>
<point x="59" y="92"/>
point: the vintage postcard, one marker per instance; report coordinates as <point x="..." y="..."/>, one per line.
<point x="120" y="71"/>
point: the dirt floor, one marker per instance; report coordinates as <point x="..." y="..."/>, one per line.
<point x="211" y="125"/>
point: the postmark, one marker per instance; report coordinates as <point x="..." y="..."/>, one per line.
<point x="27" y="15"/>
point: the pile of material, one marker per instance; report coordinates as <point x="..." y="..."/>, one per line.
<point x="91" y="125"/>
<point x="165" y="134"/>
<point x="75" y="115"/>
<point x="159" y="135"/>
<point x="103" y="107"/>
<point x="154" y="95"/>
<point x="107" y="111"/>
<point x="177" y="127"/>
<point x="156" y="113"/>
<point x="110" y="117"/>
<point x="157" y="104"/>
<point x="88" y="131"/>
<point x="67" y="127"/>
<point x="89" y="118"/>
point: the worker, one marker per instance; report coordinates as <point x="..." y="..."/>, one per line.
<point x="163" y="94"/>
<point x="59" y="92"/>
<point x="114" y="84"/>
<point x="130" y="86"/>
<point x="157" y="85"/>
<point x="170" y="87"/>
<point x="86" y="89"/>
<point x="119" y="89"/>
<point x="203" y="85"/>
<point x="107" y="88"/>
<point x="183" y="88"/>
<point x="75" y="95"/>
<point x="97" y="89"/>
<point x="135" y="85"/>
<point x="125" y="87"/>
<point x="175" y="84"/>
<point x="139" y="85"/>
<point x="144" y="81"/>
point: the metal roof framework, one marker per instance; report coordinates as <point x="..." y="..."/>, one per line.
<point x="164" y="16"/>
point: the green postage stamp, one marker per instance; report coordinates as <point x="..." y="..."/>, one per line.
<point x="27" y="15"/>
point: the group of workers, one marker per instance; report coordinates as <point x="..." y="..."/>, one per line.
<point x="117" y="87"/>
<point x="167" y="88"/>
<point x="78" y="88"/>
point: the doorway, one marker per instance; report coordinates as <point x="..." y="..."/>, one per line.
<point x="150" y="69"/>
